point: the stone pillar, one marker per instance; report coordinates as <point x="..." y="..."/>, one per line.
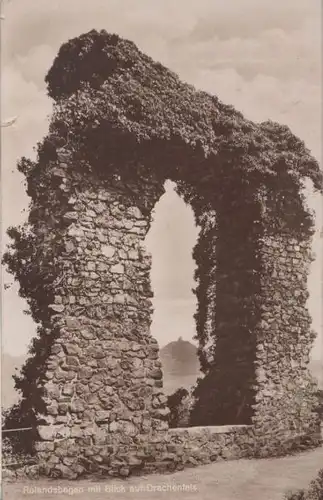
<point x="103" y="389"/>
<point x="259" y="374"/>
<point x="285" y="397"/>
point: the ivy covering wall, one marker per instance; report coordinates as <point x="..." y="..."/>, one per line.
<point x="126" y="119"/>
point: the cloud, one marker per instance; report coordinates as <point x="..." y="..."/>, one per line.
<point x="35" y="65"/>
<point x="54" y="22"/>
<point x="250" y="18"/>
<point x="22" y="98"/>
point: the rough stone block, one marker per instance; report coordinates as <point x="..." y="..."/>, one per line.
<point x="103" y="416"/>
<point x="117" y="269"/>
<point x="64" y="472"/>
<point x="76" y="406"/>
<point x="47" y="432"/>
<point x="44" y="446"/>
<point x="108" y="251"/>
<point x="59" y="308"/>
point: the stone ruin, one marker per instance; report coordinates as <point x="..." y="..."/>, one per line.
<point x="121" y="126"/>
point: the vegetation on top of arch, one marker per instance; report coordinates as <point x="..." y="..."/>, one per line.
<point x="103" y="84"/>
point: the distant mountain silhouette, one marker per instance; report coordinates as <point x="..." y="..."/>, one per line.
<point x="180" y="358"/>
<point x="180" y="364"/>
<point x="9" y="395"/>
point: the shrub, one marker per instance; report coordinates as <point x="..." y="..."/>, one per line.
<point x="21" y="443"/>
<point x="319" y="408"/>
<point x="298" y="495"/>
<point x="174" y="402"/>
<point x="185" y="410"/>
<point x="314" y="492"/>
<point x="180" y="404"/>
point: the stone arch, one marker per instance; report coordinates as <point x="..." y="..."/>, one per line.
<point x="123" y="124"/>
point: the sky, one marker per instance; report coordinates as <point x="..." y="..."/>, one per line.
<point x="262" y="57"/>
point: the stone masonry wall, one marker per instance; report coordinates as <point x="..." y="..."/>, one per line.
<point x="105" y="407"/>
<point x="202" y="445"/>
<point x="178" y="449"/>
<point x="285" y="390"/>
<point x="103" y="393"/>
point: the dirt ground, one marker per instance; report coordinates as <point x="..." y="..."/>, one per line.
<point x="267" y="479"/>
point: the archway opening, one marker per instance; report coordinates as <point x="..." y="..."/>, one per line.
<point x="170" y="240"/>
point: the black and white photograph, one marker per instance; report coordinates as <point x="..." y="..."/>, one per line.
<point x="161" y="249"/>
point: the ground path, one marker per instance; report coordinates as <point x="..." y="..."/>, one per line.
<point x="266" y="479"/>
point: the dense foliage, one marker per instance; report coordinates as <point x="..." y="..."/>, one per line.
<point x="33" y="258"/>
<point x="18" y="446"/>
<point x="110" y="95"/>
<point x="314" y="492"/>
<point x="319" y="408"/>
<point x="29" y="383"/>
<point x="179" y="403"/>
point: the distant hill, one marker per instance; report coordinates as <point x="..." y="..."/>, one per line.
<point x="180" y="364"/>
<point x="9" y="395"/>
<point x="179" y="358"/>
